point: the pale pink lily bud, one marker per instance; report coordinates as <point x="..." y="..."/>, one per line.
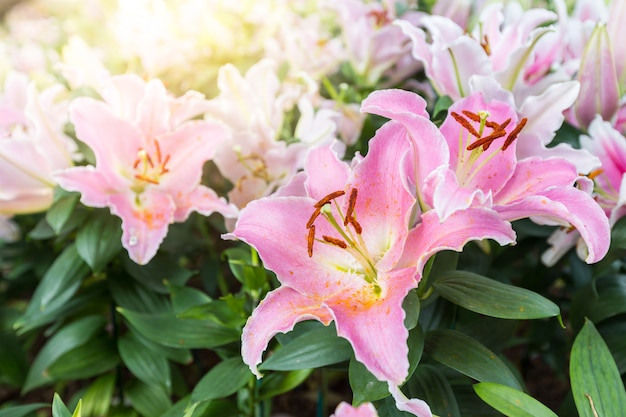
<point x="599" y="89"/>
<point x="616" y="28"/>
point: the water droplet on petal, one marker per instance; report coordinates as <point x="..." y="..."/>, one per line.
<point x="132" y="241"/>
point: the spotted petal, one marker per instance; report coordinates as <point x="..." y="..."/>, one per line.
<point x="279" y="312"/>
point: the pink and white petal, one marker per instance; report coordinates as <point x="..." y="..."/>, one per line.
<point x="610" y="146"/>
<point x="534" y="175"/>
<point x="432" y="236"/>
<point x="279" y="312"/>
<point x="561" y="241"/>
<point x="422" y="132"/>
<point x="445" y="196"/>
<point x="394" y="104"/>
<point x="153" y="110"/>
<point x="188" y="148"/>
<point x="144" y="225"/>
<point x="123" y="93"/>
<point x="582" y="159"/>
<point x="115" y="142"/>
<point x="599" y="87"/>
<point x="91" y="183"/>
<point x="276" y="228"/>
<point x="295" y="187"/>
<point x="566" y="205"/>
<point x="203" y="200"/>
<point x="25" y="201"/>
<point x="414" y="406"/>
<point x="346" y="410"/>
<point x="383" y="204"/>
<point x="325" y="172"/>
<point x="453" y="67"/>
<point x="545" y="114"/>
<point x="375" y="326"/>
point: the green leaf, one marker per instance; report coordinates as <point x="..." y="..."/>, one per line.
<point x="148" y="400"/>
<point x="58" y="407"/>
<point x="170" y="330"/>
<point x="99" y="240"/>
<point x="228" y="311"/>
<point x="61" y="211"/>
<point x="91" y="359"/>
<point x="429" y="384"/>
<point x="224" y="379"/>
<point x="511" y="402"/>
<point x="21" y="410"/>
<point x="98" y="397"/>
<point x="492" y="298"/>
<point x="215" y="408"/>
<point x="596" y="383"/>
<point x="466" y="355"/>
<point x="56" y="288"/>
<point x="145" y="364"/>
<point x="277" y="383"/>
<point x="131" y="295"/>
<point x="66" y="339"/>
<point x="314" y="349"/>
<point x="366" y="387"/>
<point x="13" y="362"/>
<point x="176" y="354"/>
<point x="599" y="300"/>
<point x="411" y="306"/>
<point x="160" y="269"/>
<point x="184" y="298"/>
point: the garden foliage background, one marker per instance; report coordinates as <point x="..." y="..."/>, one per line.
<point x="145" y="142"/>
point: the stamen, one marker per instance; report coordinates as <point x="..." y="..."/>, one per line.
<point x="163" y="169"/>
<point x="357" y="227"/>
<point x="328" y="198"/>
<point x="513" y="135"/>
<point x="157" y="147"/>
<point x="147" y="179"/>
<point x="136" y="164"/>
<point x="486" y="141"/>
<point x="485" y="44"/>
<point x="504" y="124"/>
<point x="335" y="241"/>
<point x="316" y="213"/>
<point x="467" y="125"/>
<point x="351" y="205"/>
<point x="472" y="116"/>
<point x="310" y="239"/>
<point x="595" y="173"/>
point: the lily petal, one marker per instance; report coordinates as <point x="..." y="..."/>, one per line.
<point x="566" y="205"/>
<point x="279" y="312"/>
<point x="144" y="226"/>
<point x="432" y="235"/>
<point x="386" y="355"/>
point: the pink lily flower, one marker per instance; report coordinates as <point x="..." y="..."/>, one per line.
<point x="32" y="145"/>
<point x="149" y="159"/>
<point x="335" y="245"/>
<point x="608" y="186"/>
<point x="475" y="165"/>
<point x="376" y="49"/>
<point x="499" y="47"/>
